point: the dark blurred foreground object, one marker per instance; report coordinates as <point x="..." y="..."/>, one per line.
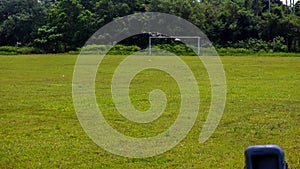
<point x="265" y="157"/>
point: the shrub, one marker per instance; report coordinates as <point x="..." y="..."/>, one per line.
<point x="178" y="49"/>
<point x="279" y="44"/>
<point x="235" y="51"/>
<point x="14" y="50"/>
<point x="123" y="50"/>
<point x="254" y="44"/>
<point x="115" y="50"/>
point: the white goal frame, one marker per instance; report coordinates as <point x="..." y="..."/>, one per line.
<point x="174" y="37"/>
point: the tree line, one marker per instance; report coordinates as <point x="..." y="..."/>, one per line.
<point x="64" y="25"/>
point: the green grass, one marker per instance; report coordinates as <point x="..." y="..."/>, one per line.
<point x="40" y="129"/>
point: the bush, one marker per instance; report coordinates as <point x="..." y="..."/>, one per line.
<point x="14" y="50"/>
<point x="115" y="50"/>
<point x="179" y="49"/>
<point x="235" y="51"/>
<point x="258" y="45"/>
<point x="123" y="50"/>
<point x="254" y="44"/>
<point x="279" y="44"/>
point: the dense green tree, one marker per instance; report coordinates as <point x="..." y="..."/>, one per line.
<point x="107" y="10"/>
<point x="63" y="25"/>
<point x="297" y="8"/>
<point x="68" y="23"/>
<point x="180" y="8"/>
<point x="290" y="29"/>
<point x="49" y="39"/>
<point x="19" y="20"/>
<point x="269" y="26"/>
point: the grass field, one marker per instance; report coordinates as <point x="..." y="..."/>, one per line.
<point x="39" y="127"/>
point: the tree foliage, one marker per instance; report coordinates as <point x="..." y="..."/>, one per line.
<point x="19" y="20"/>
<point x="64" y="25"/>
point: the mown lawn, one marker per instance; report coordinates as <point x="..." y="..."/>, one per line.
<point x="39" y="127"/>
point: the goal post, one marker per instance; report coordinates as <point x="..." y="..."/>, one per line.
<point x="176" y="38"/>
